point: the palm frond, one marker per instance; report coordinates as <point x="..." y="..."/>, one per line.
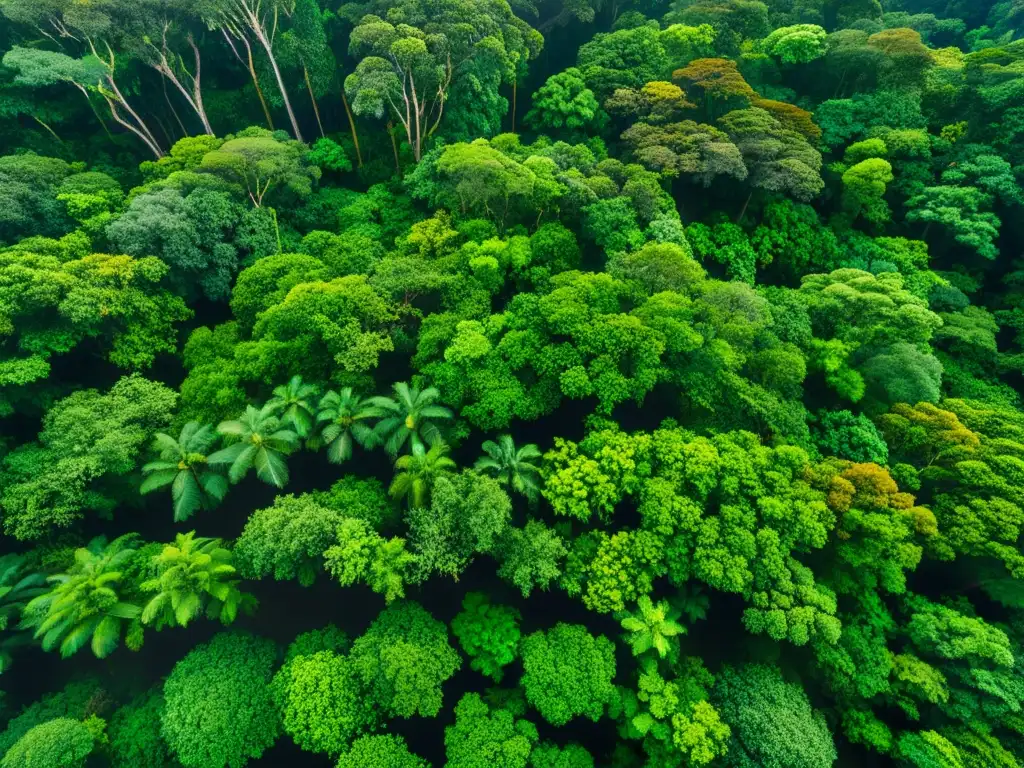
<point x="271" y="467"/>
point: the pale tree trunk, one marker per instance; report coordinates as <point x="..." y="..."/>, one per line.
<point x="312" y="98"/>
<point x="248" y="63"/>
<point x="146" y="137"/>
<point x="352" y="125"/>
<point x="743" y="212"/>
<point x="170" y="106"/>
<point x="48" y="129"/>
<point x="417" y="112"/>
<point x="394" y="147"/>
<point x="253" y="21"/>
<point x="116" y="100"/>
<point x="194" y="95"/>
<point x="96" y="112"/>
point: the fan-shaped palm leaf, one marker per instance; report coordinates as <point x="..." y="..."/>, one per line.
<point x="512" y="466"/>
<point x="193" y="573"/>
<point x="184" y="466"/>
<point x="411" y="416"/>
<point x="294" y="404"/>
<point x="256" y="440"/>
<point x="417" y="471"/>
<point x="651" y="626"/>
<point x="17" y="587"/>
<point x="341" y="416"/>
<point x="83" y="605"/>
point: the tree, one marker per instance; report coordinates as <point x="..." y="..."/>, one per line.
<point x="287" y="540"/>
<point x="308" y="47"/>
<point x="854" y="438"/>
<point x="568" y="673"/>
<point x="660" y="267"/>
<point x="85" y="604"/>
<point x="988" y="172"/>
<point x="90" y="74"/>
<point x="293" y="404"/>
<point x="511" y="466"/>
<point x="961" y="211"/>
<point x="718" y="82"/>
<point x="116" y="302"/>
<point x="38" y="69"/>
<point x="733" y="20"/>
<point x="488" y="633"/>
<point x="18" y="585"/>
<point x="75" y="701"/>
<point x="360" y="498"/>
<point x="267" y="282"/>
<point x="531" y="556"/>
<point x="480" y="179"/>
<point x="728" y="244"/>
<point x="872" y="318"/>
<point x="196" y="234"/>
<point x="907" y="58"/>
<point x="322" y="330"/>
<point x="797" y="44"/>
<point x="546" y="755"/>
<point x="792" y="237"/>
<point x="183" y="465"/>
<point x="566" y="107"/>
<point x="864" y="186"/>
<point x="403" y="659"/>
<point x="257" y="440"/>
<point x="260" y="162"/>
<point x="685" y="149"/>
<point x="360" y="554"/>
<point x="219" y="709"/>
<point x="134" y="729"/>
<point x="778" y="159"/>
<point x="684" y="43"/>
<point x="408" y="71"/>
<point x="340" y="417"/>
<point x="651" y="627"/>
<point x="192" y="576"/>
<point x="772" y="721"/>
<point x="482" y="736"/>
<point x="902" y="373"/>
<point x="237" y="19"/>
<point x="416" y="473"/>
<point x="321" y="702"/>
<point x="60" y="743"/>
<point x="467" y="515"/>
<point x="655" y="103"/>
<point x="623" y="58"/>
<point x="669" y="712"/>
<point x="380" y="752"/>
<point x="411" y="416"/>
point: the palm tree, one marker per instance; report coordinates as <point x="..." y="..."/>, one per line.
<point x="83" y="605"/>
<point x="651" y="627"/>
<point x="692" y="604"/>
<point x="184" y="466"/>
<point x="409" y="416"/>
<point x="293" y="403"/>
<point x="16" y="588"/>
<point x="192" y="573"/>
<point x="417" y="472"/>
<point x="512" y="466"/>
<point x="342" y="415"/>
<point x="257" y="440"/>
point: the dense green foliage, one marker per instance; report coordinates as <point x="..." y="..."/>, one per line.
<point x="493" y="384"/>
